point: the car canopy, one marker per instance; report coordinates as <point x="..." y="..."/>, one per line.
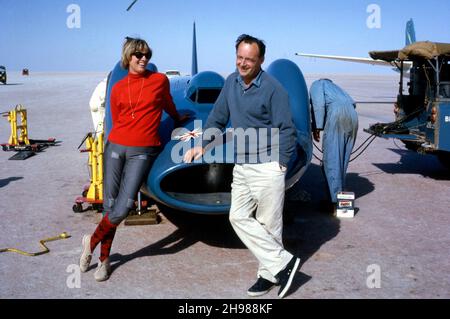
<point x="419" y="50"/>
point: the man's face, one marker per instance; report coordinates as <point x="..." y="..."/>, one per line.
<point x="248" y="61"/>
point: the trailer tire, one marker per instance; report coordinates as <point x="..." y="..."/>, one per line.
<point x="77" y="208"/>
<point x="444" y="158"/>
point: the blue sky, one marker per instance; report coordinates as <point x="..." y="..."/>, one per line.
<point x="34" y="34"/>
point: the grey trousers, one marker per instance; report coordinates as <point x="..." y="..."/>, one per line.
<point x="125" y="169"/>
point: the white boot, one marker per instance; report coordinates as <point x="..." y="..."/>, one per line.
<point x="86" y="254"/>
<point x="103" y="270"/>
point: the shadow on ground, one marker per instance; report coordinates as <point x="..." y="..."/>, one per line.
<point x="307" y="225"/>
<point x="5" y="181"/>
<point x="414" y="163"/>
<point x="191" y="228"/>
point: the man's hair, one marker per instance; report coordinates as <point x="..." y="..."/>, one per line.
<point x="130" y="46"/>
<point x="250" y="40"/>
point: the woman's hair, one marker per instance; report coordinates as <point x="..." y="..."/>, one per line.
<point x="130" y="46"/>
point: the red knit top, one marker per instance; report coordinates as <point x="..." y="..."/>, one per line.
<point x="150" y="95"/>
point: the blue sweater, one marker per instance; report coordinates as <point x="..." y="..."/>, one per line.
<point x="262" y="106"/>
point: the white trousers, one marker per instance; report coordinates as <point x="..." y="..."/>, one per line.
<point x="256" y="214"/>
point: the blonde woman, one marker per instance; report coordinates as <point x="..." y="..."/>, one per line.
<point x="136" y="102"/>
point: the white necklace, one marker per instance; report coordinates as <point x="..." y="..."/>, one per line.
<point x="129" y="97"/>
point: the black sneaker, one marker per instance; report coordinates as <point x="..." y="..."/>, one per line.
<point x="286" y="276"/>
<point x="261" y="287"/>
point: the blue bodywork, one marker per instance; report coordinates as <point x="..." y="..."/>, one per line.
<point x="444" y="123"/>
<point x="204" y="187"/>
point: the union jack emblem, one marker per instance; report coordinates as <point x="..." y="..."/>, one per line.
<point x="191" y="134"/>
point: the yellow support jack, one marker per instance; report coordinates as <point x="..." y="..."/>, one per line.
<point x="19" y="132"/>
<point x="95" y="191"/>
<point x="93" y="194"/>
<point x="18" y="140"/>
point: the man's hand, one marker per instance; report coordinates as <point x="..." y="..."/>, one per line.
<point x="194" y="153"/>
<point x="316" y="135"/>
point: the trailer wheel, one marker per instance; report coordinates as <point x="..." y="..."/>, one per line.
<point x="77" y="208"/>
<point x="444" y="158"/>
<point x="97" y="207"/>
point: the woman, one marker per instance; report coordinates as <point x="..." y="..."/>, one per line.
<point x="137" y="102"/>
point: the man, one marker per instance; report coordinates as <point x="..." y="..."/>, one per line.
<point x="254" y="100"/>
<point x="333" y="112"/>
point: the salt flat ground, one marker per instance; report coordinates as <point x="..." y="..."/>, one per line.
<point x="395" y="247"/>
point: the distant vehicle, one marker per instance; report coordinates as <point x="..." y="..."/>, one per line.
<point x="410" y="38"/>
<point x="423" y="115"/>
<point x="2" y="74"/>
<point x="25" y="72"/>
<point x="172" y="73"/>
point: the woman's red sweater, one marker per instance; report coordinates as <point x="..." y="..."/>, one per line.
<point x="142" y="130"/>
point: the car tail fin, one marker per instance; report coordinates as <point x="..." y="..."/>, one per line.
<point x="410" y="33"/>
